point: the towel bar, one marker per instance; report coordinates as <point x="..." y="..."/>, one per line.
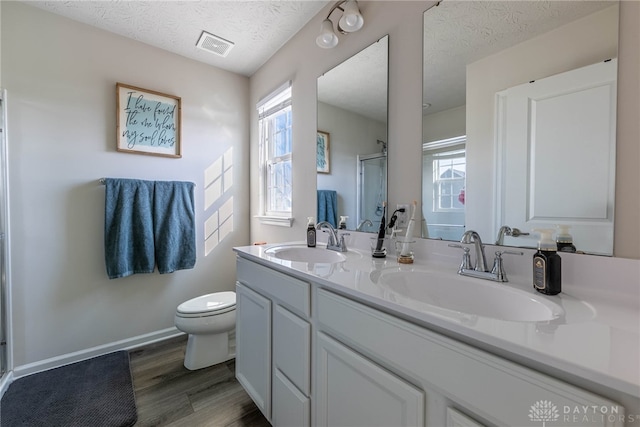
<point x="103" y="180"/>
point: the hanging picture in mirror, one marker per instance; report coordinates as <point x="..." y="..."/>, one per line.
<point x="322" y="152"/>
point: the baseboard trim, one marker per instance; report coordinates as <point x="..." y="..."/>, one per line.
<point x="65" y="359"/>
<point x="5" y="382"/>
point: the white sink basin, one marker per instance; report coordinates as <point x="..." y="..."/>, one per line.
<point x="470" y="296"/>
<point x="300" y="253"/>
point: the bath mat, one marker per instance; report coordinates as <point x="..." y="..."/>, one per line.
<point x="95" y="392"/>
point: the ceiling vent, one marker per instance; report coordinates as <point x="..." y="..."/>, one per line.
<point x="214" y="44"/>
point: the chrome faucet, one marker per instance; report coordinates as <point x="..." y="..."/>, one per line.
<point x="505" y="230"/>
<point x="471" y="236"/>
<point x="497" y="273"/>
<point x="363" y="223"/>
<point x="335" y="242"/>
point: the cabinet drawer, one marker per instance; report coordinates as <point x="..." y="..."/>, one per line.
<point x="495" y="389"/>
<point x="290" y="292"/>
<point x="292" y="347"/>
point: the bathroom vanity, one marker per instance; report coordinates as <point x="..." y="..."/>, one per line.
<point x="353" y="341"/>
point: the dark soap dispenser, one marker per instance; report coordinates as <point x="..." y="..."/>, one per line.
<point x="564" y="239"/>
<point x="311" y="232"/>
<point x="547" y="271"/>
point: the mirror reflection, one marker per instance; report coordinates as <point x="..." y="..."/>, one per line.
<point x="352" y="140"/>
<point x="474" y="176"/>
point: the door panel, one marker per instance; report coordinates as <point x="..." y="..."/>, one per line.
<point x="556" y="139"/>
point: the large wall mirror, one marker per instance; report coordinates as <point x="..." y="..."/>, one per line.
<point x="551" y="162"/>
<point x="352" y="140"/>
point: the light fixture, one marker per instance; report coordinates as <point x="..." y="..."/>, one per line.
<point x="350" y="21"/>
<point x="327" y="38"/>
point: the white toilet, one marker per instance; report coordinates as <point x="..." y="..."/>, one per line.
<point x="210" y="322"/>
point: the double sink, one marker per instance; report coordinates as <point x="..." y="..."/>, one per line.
<point x="436" y="289"/>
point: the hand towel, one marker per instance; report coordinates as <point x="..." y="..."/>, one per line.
<point x="328" y="207"/>
<point x="128" y="227"/>
<point x="174" y="226"/>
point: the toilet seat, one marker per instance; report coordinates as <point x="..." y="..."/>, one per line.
<point x="208" y="305"/>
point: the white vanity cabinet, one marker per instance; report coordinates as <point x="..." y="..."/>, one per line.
<point x="462" y="385"/>
<point x="273" y="334"/>
<point x="370" y="367"/>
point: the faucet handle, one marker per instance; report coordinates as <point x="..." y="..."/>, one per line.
<point x="466" y="257"/>
<point x="515" y="232"/>
<point x="500" y="253"/>
<point x="342" y="244"/>
<point x="498" y="265"/>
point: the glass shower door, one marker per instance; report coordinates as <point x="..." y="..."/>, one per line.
<point x="372" y="190"/>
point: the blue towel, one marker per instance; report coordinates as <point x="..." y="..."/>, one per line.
<point x="174" y="226"/>
<point x="128" y="227"/>
<point x="328" y="207"/>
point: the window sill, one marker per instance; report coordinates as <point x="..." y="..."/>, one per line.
<point x="279" y="221"/>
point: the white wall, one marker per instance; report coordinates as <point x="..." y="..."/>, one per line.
<point x="627" y="226"/>
<point x="350" y="135"/>
<point x="302" y="61"/>
<point x="568" y="47"/>
<point x="444" y="124"/>
<point x="60" y="76"/>
<point x="61" y="79"/>
<point x="402" y="20"/>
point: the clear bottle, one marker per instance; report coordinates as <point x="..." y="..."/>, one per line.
<point x="311" y="232"/>
<point x="547" y="267"/>
<point x="564" y="240"/>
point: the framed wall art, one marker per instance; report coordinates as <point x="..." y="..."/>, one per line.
<point x="148" y="122"/>
<point x="322" y="152"/>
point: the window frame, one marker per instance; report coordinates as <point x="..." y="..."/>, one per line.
<point x="447" y="146"/>
<point x="270" y="108"/>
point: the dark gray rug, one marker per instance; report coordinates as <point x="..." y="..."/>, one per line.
<point x="95" y="392"/>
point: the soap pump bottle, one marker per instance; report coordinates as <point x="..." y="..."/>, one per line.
<point x="311" y="232"/>
<point x="564" y="240"/>
<point x="547" y="272"/>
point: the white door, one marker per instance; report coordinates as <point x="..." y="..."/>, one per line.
<point x="354" y="391"/>
<point x="253" y="346"/>
<point x="556" y="156"/>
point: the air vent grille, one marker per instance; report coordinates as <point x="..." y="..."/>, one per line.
<point x="214" y="44"/>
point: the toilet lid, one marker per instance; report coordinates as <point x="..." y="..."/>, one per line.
<point x="208" y="303"/>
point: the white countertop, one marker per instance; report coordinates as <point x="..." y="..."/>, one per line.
<point x="598" y="339"/>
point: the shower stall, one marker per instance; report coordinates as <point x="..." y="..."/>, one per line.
<point x="372" y="190"/>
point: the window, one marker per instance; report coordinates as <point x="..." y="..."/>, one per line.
<point x="449" y="169"/>
<point x="274" y="125"/>
<point x="445" y="162"/>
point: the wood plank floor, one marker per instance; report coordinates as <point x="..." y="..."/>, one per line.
<point x="168" y="394"/>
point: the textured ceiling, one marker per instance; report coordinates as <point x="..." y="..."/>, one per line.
<point x="366" y="72"/>
<point x="258" y="28"/>
<point x="457" y="33"/>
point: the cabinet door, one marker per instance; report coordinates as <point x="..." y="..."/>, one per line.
<point x="253" y="346"/>
<point x="292" y="347"/>
<point x="354" y="391"/>
<point x="291" y="408"/>
<point x="456" y="418"/>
